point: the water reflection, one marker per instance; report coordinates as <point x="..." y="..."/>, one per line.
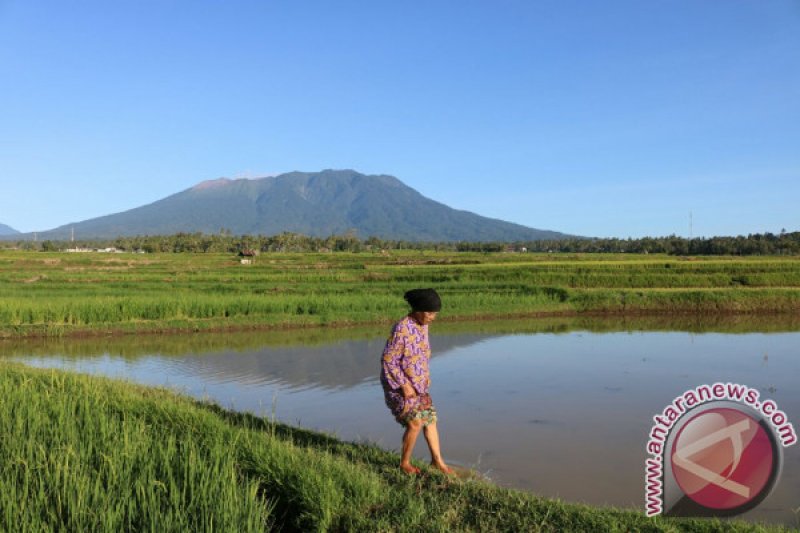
<point x="137" y="345"/>
<point x="561" y="407"/>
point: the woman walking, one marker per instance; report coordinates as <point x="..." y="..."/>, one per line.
<point x="406" y="379"/>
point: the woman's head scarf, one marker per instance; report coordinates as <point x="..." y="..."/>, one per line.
<point x="423" y="300"/>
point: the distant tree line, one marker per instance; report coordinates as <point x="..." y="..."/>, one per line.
<point x="754" y="244"/>
<point x="224" y="242"/>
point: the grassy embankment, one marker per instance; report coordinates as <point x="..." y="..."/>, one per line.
<point x="60" y="294"/>
<point x="83" y="453"/>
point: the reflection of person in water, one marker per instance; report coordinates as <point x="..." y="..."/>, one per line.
<point x="406" y="379"/>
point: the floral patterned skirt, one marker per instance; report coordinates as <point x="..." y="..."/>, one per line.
<point x="418" y="407"/>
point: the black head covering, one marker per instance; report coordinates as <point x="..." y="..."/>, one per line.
<point x="423" y="300"/>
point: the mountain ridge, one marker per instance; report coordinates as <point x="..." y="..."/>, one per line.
<point x="311" y="203"/>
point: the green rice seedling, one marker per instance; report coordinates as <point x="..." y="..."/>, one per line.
<point x="73" y="462"/>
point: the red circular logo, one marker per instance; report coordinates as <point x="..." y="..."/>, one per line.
<point x="723" y="458"/>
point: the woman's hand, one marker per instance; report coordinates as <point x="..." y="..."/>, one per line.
<point x="408" y="391"/>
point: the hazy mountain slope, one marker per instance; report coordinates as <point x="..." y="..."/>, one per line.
<point x="7" y="230"/>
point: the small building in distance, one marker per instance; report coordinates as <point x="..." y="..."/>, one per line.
<point x="247" y="256"/>
<point x="111" y="250"/>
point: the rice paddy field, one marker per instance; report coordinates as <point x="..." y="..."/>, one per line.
<point x="55" y="294"/>
<point x="80" y="453"/>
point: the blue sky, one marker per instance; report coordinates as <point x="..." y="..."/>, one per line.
<point x="611" y="118"/>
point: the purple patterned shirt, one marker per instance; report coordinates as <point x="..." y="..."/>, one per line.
<point x="405" y="360"/>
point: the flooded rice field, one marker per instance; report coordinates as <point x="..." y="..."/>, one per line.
<point x="560" y="409"/>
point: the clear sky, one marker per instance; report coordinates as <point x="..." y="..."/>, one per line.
<point x="611" y="119"/>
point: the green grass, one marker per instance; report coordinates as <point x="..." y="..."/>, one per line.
<point x="52" y="294"/>
<point x="80" y="453"/>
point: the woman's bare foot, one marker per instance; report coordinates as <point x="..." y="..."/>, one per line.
<point x="410" y="469"/>
<point x="443" y="468"/>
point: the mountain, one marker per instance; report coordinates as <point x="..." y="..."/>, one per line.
<point x="7" y="230"/>
<point x="316" y="204"/>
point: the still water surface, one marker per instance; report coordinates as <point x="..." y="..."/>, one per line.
<point x="558" y="411"/>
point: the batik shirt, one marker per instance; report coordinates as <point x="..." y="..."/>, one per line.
<point x="405" y="360"/>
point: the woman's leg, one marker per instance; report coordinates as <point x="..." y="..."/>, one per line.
<point x="409" y="440"/>
<point x="432" y="437"/>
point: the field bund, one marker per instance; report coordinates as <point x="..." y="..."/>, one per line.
<point x="55" y="294"/>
